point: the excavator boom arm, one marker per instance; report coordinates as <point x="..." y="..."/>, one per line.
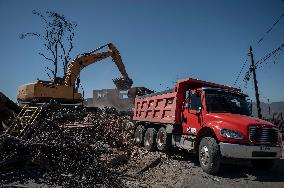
<point x="94" y="56"/>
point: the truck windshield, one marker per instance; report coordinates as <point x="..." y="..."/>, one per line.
<point x="225" y="102"/>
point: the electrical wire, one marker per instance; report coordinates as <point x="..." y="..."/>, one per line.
<point x="244" y="64"/>
<point x="247" y="78"/>
<point x="274" y="53"/>
<point x="270" y="29"/>
<point x="259" y="64"/>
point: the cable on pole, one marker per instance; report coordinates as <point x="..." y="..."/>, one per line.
<point x="244" y="64"/>
<point x="270" y="29"/>
<point x="259" y="64"/>
<point x="273" y="53"/>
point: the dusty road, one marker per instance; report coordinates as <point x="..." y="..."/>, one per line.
<point x="179" y="169"/>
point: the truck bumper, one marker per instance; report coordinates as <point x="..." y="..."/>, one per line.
<point x="250" y="152"/>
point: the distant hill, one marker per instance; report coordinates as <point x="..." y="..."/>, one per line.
<point x="275" y="107"/>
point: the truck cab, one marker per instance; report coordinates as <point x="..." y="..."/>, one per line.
<point x="218" y="109"/>
<point x="212" y="120"/>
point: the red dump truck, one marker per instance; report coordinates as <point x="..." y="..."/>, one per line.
<point x="212" y="120"/>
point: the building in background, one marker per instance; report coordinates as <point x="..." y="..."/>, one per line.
<point x="110" y="98"/>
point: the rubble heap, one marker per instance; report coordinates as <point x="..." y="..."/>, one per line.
<point x="81" y="155"/>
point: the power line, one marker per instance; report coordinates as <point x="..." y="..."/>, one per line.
<point x="246" y="78"/>
<point x="244" y="64"/>
<point x="247" y="74"/>
<point x="273" y="53"/>
<point x="259" y="64"/>
<point x="270" y="29"/>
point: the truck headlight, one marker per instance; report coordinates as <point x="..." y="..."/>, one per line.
<point x="227" y="133"/>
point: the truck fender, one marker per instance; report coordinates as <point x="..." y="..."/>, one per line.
<point x="205" y="132"/>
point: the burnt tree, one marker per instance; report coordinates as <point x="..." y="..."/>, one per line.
<point x="57" y="39"/>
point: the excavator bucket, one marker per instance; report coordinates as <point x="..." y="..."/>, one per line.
<point x="123" y="83"/>
<point x="138" y="91"/>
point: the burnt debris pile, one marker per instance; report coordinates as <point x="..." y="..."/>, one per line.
<point x="81" y="153"/>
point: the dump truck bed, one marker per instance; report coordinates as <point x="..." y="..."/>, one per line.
<point x="166" y="107"/>
<point x="158" y="107"/>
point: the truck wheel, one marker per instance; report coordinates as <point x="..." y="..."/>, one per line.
<point x="150" y="139"/>
<point x="163" y="140"/>
<point x="209" y="155"/>
<point x="139" y="134"/>
<point x="263" y="164"/>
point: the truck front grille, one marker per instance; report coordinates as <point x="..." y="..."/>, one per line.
<point x="263" y="134"/>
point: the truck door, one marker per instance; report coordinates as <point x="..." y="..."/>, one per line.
<point x="192" y="114"/>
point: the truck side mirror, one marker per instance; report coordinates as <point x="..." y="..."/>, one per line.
<point x="187" y="106"/>
<point x="250" y="106"/>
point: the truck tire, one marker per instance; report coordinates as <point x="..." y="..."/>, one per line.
<point x="209" y="155"/>
<point x="163" y="140"/>
<point x="139" y="134"/>
<point x="263" y="164"/>
<point x="150" y="139"/>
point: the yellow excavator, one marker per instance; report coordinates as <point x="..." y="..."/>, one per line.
<point x="43" y="97"/>
<point x="65" y="90"/>
<point x="56" y="96"/>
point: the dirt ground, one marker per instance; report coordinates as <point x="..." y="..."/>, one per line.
<point x="182" y="170"/>
<point x="176" y="169"/>
<point x="97" y="157"/>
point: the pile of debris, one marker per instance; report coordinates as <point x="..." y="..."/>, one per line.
<point x="83" y="154"/>
<point x="7" y="109"/>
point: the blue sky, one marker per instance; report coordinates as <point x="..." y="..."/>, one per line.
<point x="160" y="41"/>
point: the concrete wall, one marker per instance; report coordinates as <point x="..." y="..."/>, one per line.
<point x="111" y="98"/>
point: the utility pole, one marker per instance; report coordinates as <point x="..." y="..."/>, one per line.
<point x="255" y="83"/>
<point x="269" y="110"/>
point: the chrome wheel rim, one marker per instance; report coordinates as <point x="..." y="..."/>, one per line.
<point x="148" y="137"/>
<point x="160" y="139"/>
<point x="204" y="155"/>
<point x="137" y="136"/>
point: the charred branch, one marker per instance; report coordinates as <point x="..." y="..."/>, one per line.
<point x="57" y="39"/>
